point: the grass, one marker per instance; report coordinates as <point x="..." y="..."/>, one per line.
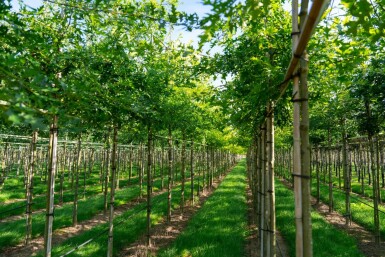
<point x="127" y="228"/>
<point x="361" y="213"/>
<point x="355" y="184"/>
<point x="219" y="228"/>
<point x="12" y="233"/>
<point x="327" y="240"/>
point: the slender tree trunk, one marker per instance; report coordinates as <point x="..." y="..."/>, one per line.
<point x="170" y="166"/>
<point x="130" y="166"/>
<point x="106" y="173"/>
<point x="346" y="175"/>
<point x="112" y="193"/>
<point x="192" y="171"/>
<point x="183" y="171"/>
<point x="51" y="187"/>
<point x="149" y="184"/>
<point x="330" y="173"/>
<point x="76" y="170"/>
<point x="29" y="187"/>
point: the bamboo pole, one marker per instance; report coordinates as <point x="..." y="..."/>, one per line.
<point x="297" y="141"/>
<point x="317" y="9"/>
<point x="51" y="187"/>
<point x="112" y="193"/>
<point x="271" y="185"/>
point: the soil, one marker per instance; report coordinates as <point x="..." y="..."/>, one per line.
<point x="365" y="238"/>
<point x="164" y="233"/>
<point x="60" y="235"/>
<point x="252" y="248"/>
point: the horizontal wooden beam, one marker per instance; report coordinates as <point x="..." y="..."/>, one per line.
<point x="316" y="11"/>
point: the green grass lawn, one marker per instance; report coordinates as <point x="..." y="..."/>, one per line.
<point x="327" y="240"/>
<point x="219" y="227"/>
<point x="13" y="232"/>
<point x="127" y="228"/>
<point x="361" y="213"/>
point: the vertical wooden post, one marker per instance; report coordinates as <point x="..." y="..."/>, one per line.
<point x="112" y="193"/>
<point x="51" y="187"/>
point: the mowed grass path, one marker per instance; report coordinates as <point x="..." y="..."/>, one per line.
<point x="327" y="240"/>
<point x="219" y="228"/>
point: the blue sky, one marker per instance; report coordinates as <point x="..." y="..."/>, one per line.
<point x="189" y="6"/>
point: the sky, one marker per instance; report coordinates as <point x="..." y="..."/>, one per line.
<point x="189" y="6"/>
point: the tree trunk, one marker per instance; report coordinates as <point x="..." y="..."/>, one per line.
<point x="29" y="187"/>
<point x="106" y="172"/>
<point x="112" y="193"/>
<point x="76" y="170"/>
<point x="149" y="184"/>
<point x="330" y="173"/>
<point x="192" y="171"/>
<point x="346" y="175"/>
<point x="170" y="164"/>
<point x="183" y="171"/>
<point x="51" y="187"/>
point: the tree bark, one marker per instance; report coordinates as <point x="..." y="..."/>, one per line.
<point x="170" y="164"/>
<point x="29" y="187"/>
<point x="51" y="187"/>
<point x="75" y="203"/>
<point x="149" y="184"/>
<point x="112" y="193"/>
